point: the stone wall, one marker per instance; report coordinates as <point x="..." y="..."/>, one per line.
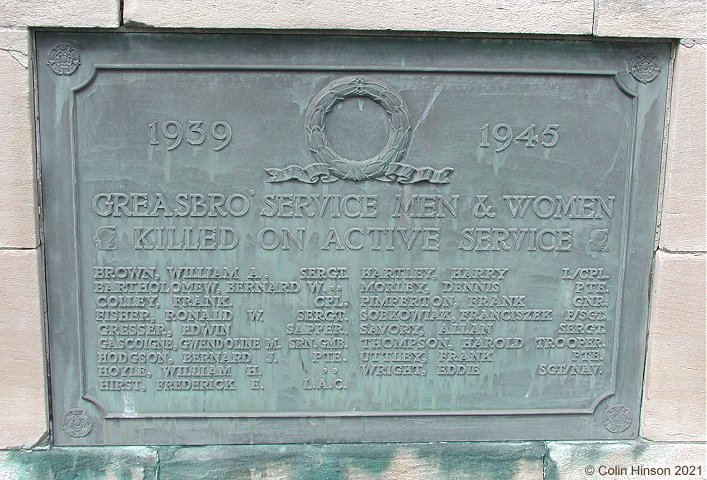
<point x="673" y="417"/>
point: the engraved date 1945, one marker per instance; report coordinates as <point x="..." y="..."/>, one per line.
<point x="193" y="131"/>
<point x="503" y="136"/>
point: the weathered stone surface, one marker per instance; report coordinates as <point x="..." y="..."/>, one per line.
<point x="359" y="462"/>
<point x="14" y="40"/>
<point x="683" y="224"/>
<point x="305" y="462"/>
<point x="674" y="403"/>
<point x="127" y="463"/>
<point x="586" y="460"/>
<point x="410" y="464"/>
<point x="562" y="461"/>
<point x="17" y="190"/>
<point x="544" y="16"/>
<point x="23" y="418"/>
<point x="650" y="18"/>
<point x="55" y="13"/>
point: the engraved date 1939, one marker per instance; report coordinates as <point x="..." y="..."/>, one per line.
<point x="193" y="131"/>
<point x="503" y="136"/>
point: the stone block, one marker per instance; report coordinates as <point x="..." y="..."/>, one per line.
<point x="18" y="205"/>
<point x="587" y="460"/>
<point x="23" y="409"/>
<point x="57" y="13"/>
<point x="482" y="461"/>
<point x="674" y="397"/>
<point x="356" y="462"/>
<point x="683" y="218"/>
<point x="543" y="16"/>
<point x="124" y="463"/>
<point x="650" y="18"/>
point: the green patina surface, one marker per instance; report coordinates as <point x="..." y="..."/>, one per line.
<point x="594" y="454"/>
<point x="485" y="461"/>
<point x="408" y="461"/>
<point x="291" y="462"/>
<point x="81" y="464"/>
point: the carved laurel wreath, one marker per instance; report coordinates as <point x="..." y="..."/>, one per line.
<point x="357" y="86"/>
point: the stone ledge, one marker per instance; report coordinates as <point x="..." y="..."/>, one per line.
<point x="597" y="460"/>
<point x="438" y="461"/>
<point x="358" y="462"/>
<point x="98" y="463"/>
<point x="468" y="461"/>
<point x="571" y="17"/>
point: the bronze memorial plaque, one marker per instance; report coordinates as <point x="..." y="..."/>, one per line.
<point x="286" y="239"/>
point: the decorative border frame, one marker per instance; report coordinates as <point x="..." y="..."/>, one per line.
<point x="623" y="81"/>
